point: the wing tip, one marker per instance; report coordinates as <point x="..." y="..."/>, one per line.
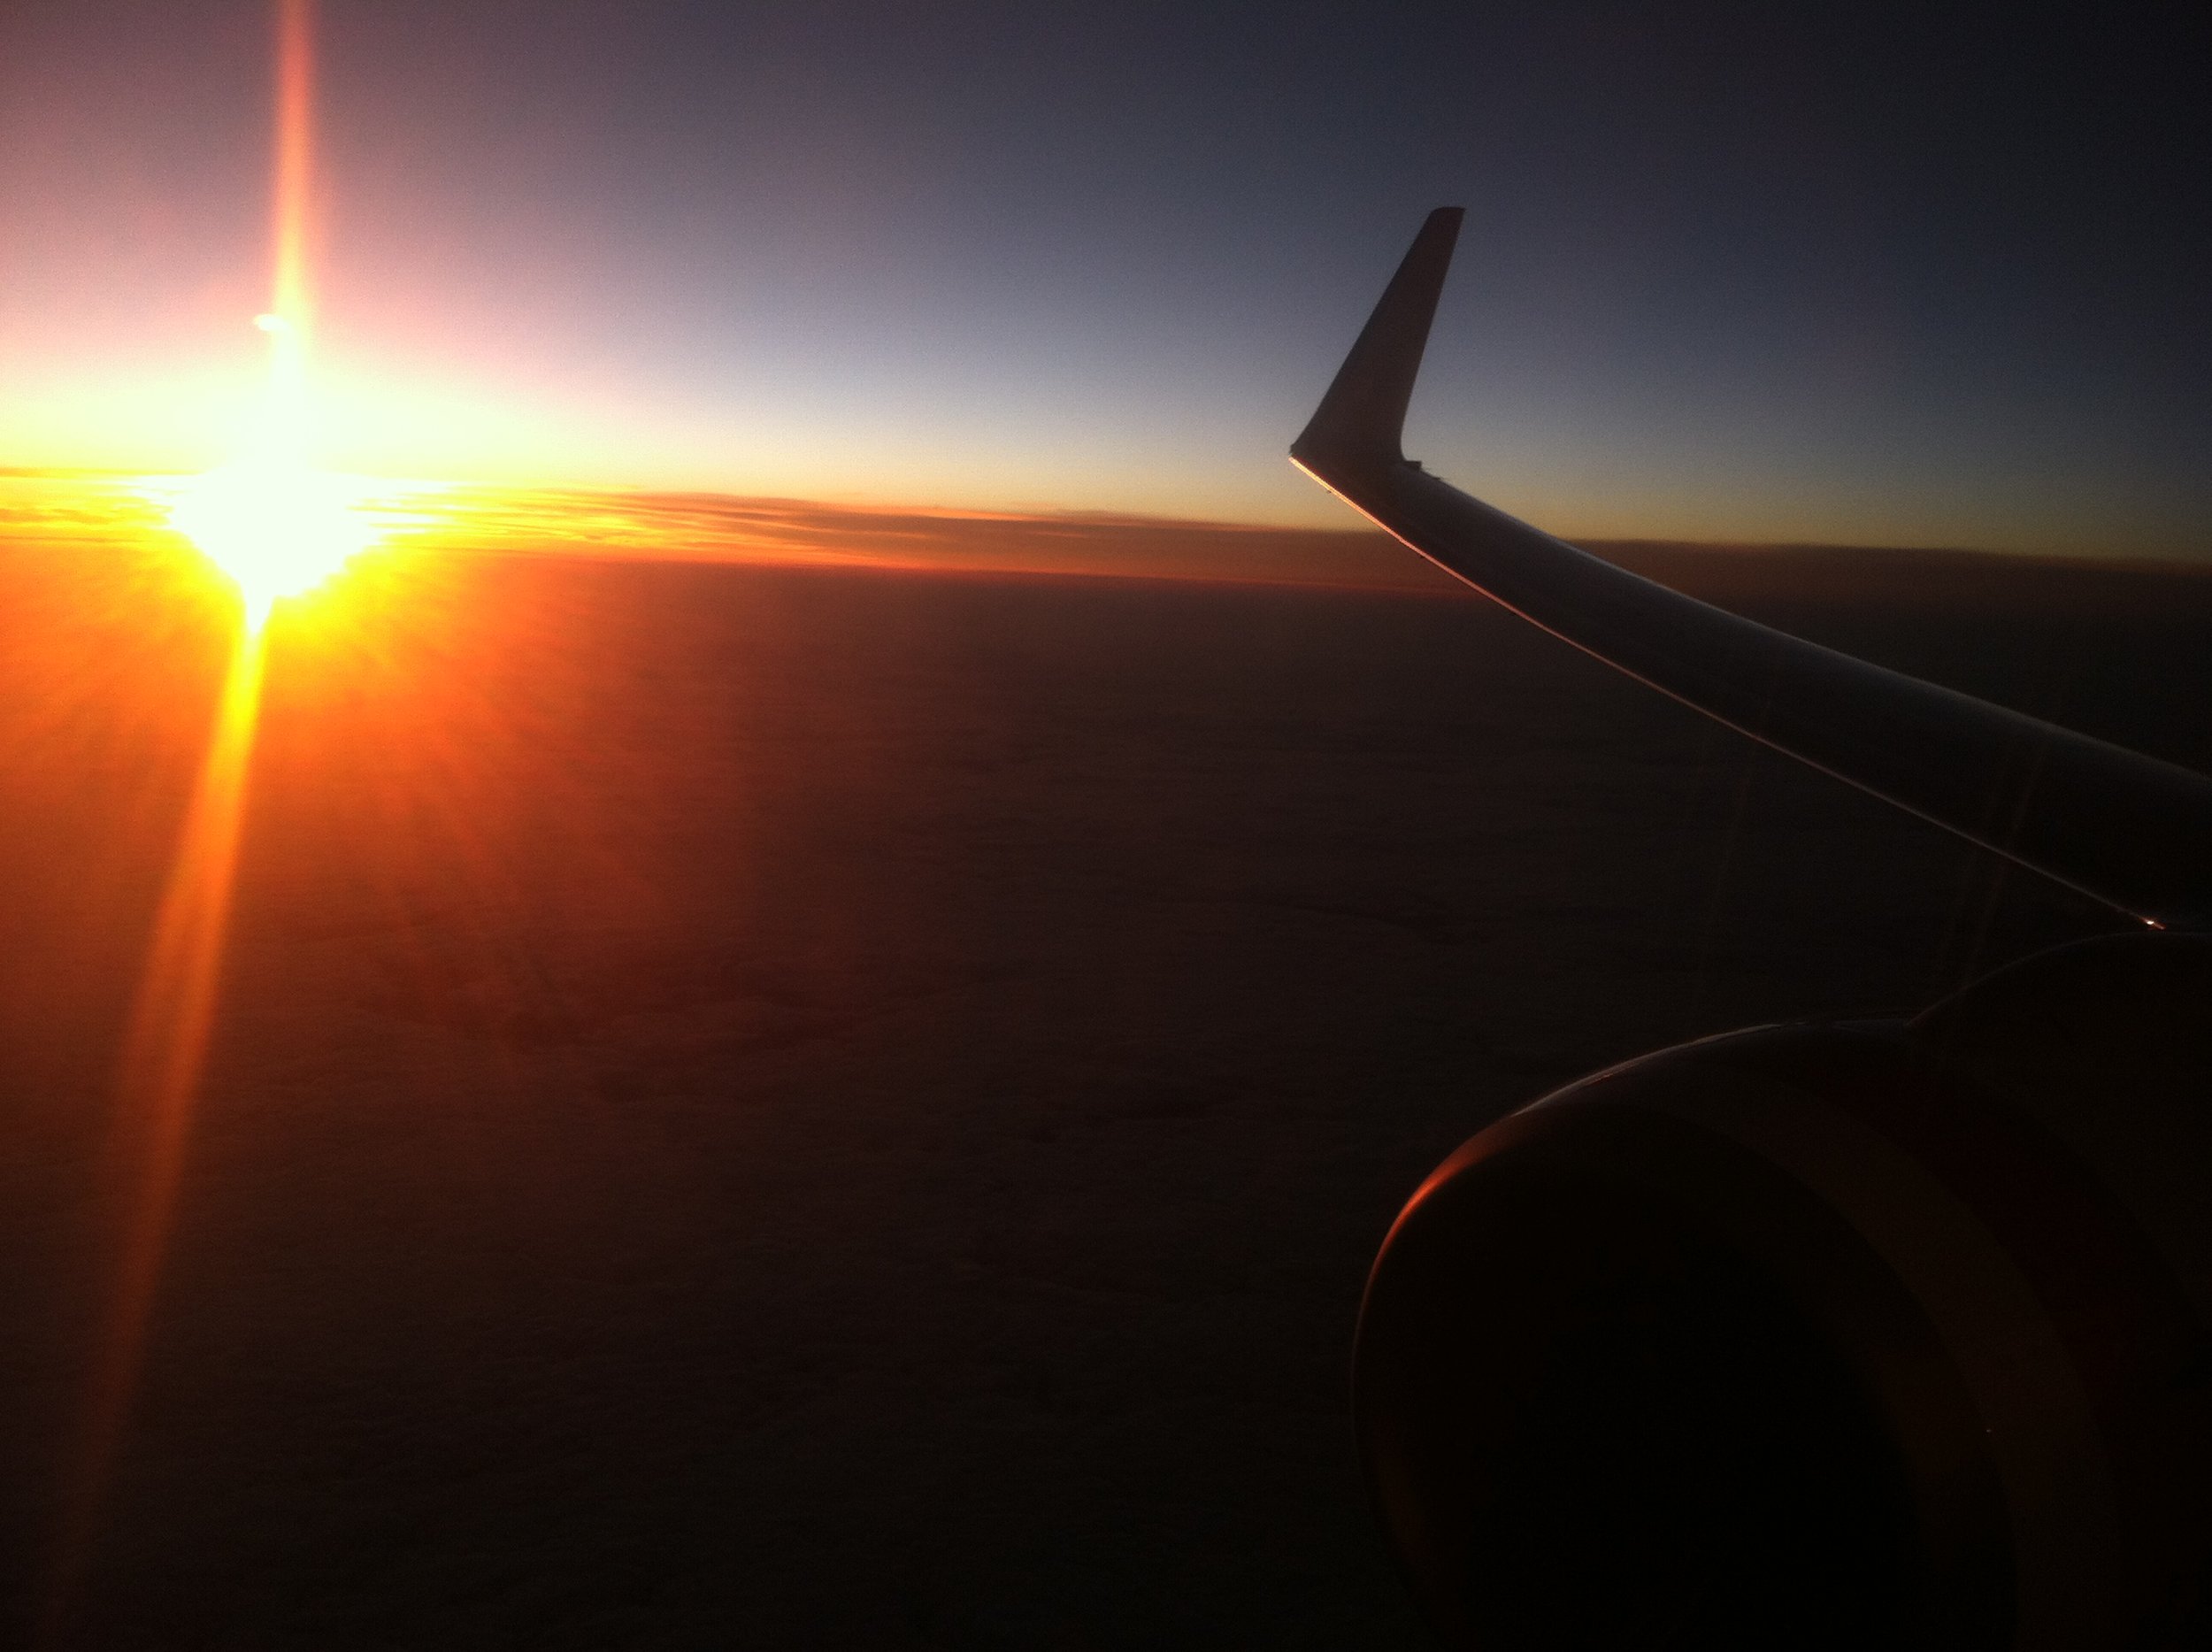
<point x="1360" y="420"/>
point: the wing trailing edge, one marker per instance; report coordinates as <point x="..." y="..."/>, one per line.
<point x="2125" y="829"/>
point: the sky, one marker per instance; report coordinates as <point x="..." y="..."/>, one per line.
<point x="1728" y="272"/>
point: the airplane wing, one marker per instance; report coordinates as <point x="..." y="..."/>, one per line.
<point x="2125" y="829"/>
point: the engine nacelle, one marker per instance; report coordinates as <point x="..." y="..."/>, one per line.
<point x="1863" y="1335"/>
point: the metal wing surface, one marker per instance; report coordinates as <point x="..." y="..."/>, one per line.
<point x="2128" y="830"/>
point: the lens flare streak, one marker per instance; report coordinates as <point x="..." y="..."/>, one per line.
<point x="165" y="1049"/>
<point x="276" y="526"/>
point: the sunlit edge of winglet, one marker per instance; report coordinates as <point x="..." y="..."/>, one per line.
<point x="2127" y="830"/>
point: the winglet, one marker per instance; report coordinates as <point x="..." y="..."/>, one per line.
<point x="1360" y="420"/>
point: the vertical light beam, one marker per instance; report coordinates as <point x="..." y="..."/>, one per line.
<point x="173" y="1016"/>
<point x="290" y="316"/>
<point x="165" y="1048"/>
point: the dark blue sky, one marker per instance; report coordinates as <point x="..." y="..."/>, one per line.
<point x="1727" y="271"/>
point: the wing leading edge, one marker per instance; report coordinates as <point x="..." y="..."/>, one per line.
<point x="2125" y="829"/>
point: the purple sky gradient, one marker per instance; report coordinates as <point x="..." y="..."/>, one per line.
<point x="1872" y="279"/>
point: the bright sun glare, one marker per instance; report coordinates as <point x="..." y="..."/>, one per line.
<point x="271" y="520"/>
<point x="276" y="526"/>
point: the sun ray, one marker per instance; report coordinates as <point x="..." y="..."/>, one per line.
<point x="276" y="526"/>
<point x="164" y="1052"/>
<point x="271" y="520"/>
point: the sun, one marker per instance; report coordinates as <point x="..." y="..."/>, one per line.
<point x="274" y="522"/>
<point x="275" y="527"/>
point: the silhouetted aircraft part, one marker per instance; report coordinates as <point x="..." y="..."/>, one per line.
<point x="1863" y="1336"/>
<point x="2126" y="829"/>
<point x="1870" y="1335"/>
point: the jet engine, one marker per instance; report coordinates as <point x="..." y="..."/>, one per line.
<point x="1862" y="1335"/>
